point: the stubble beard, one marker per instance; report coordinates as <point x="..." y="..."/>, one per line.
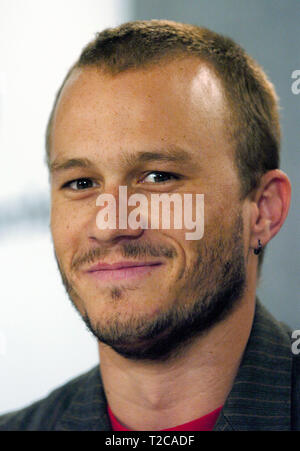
<point x="213" y="287"/>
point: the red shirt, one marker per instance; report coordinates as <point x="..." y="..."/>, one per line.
<point x="205" y="423"/>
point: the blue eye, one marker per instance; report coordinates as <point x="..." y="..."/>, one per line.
<point x="160" y="177"/>
<point x="80" y="184"/>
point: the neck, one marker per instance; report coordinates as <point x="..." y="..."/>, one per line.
<point x="139" y="390"/>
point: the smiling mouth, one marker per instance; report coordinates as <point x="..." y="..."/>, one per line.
<point x="122" y="270"/>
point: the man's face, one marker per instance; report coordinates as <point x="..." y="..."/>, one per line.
<point x="158" y="130"/>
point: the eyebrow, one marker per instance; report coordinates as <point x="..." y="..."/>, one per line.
<point x="173" y="154"/>
<point x="57" y="166"/>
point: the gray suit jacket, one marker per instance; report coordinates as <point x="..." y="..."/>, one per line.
<point x="260" y="398"/>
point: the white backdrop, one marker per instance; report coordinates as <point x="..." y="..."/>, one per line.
<point x="43" y="342"/>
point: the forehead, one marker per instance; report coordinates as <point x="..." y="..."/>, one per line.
<point x="179" y="103"/>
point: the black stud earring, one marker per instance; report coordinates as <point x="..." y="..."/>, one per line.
<point x="258" y="249"/>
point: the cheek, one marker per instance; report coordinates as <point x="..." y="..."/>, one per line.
<point x="64" y="226"/>
<point x="186" y="249"/>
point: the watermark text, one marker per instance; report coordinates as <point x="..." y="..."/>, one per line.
<point x="163" y="210"/>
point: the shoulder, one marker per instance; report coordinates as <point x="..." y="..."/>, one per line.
<point x="45" y="413"/>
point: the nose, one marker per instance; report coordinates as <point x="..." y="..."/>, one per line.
<point x="110" y="224"/>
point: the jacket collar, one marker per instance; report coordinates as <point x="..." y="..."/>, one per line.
<point x="260" y="396"/>
<point x="88" y="409"/>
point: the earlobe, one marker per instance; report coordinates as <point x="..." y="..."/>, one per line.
<point x="272" y="203"/>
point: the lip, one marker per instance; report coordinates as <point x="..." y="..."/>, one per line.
<point x="122" y="270"/>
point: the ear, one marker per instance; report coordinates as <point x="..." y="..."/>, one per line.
<point x="270" y="207"/>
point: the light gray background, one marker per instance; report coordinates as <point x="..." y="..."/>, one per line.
<point x="269" y="30"/>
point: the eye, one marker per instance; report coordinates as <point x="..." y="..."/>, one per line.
<point x="80" y="184"/>
<point x="159" y="177"/>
